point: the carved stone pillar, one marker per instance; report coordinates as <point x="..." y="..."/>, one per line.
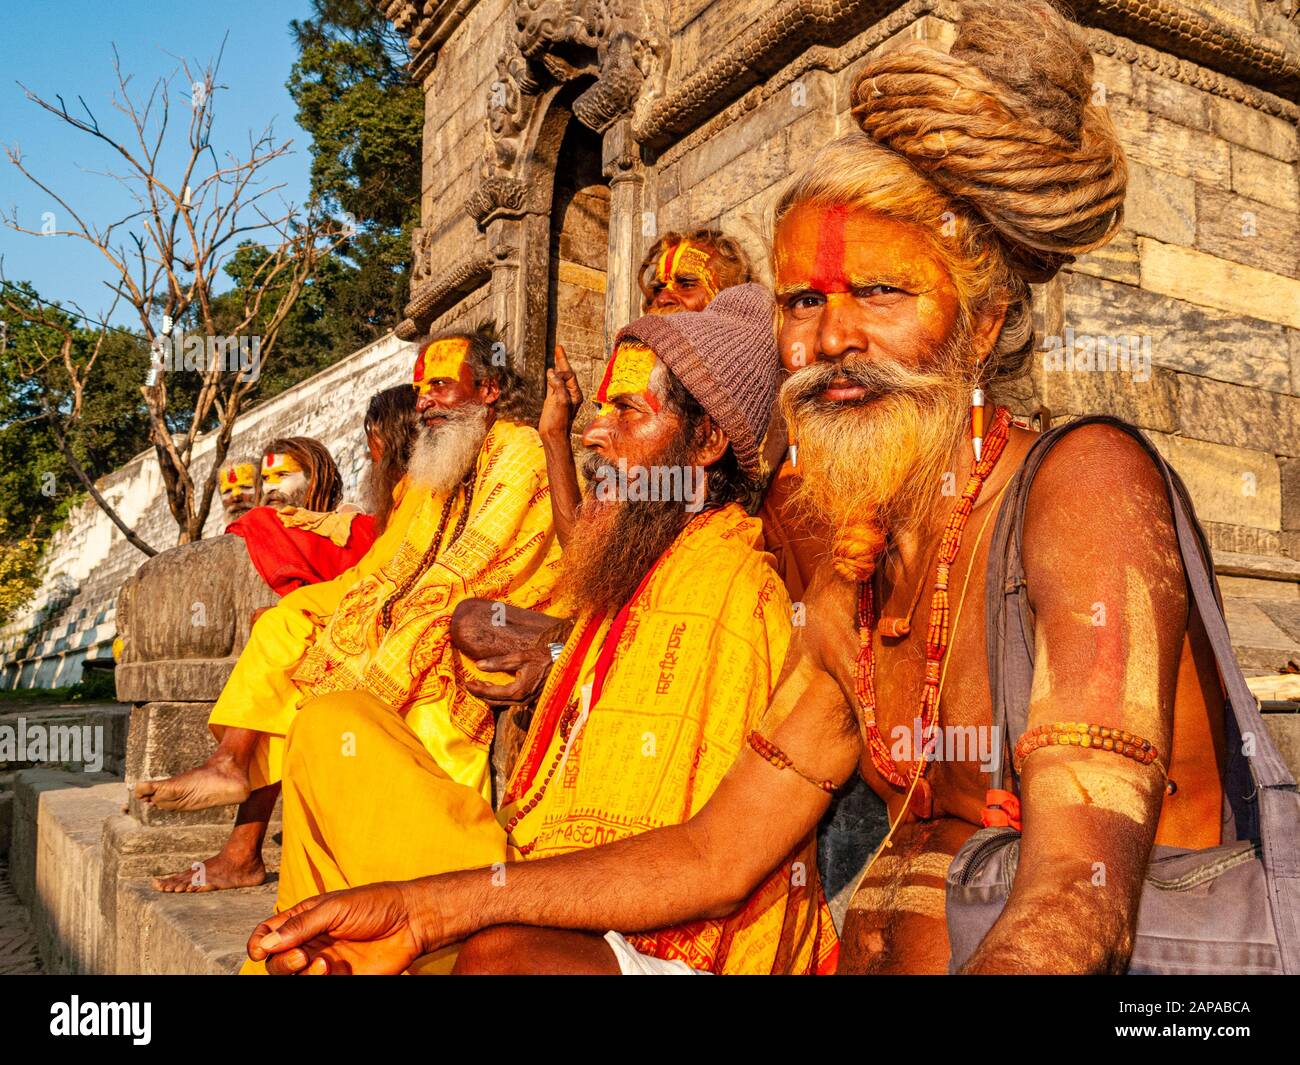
<point x="622" y="166"/>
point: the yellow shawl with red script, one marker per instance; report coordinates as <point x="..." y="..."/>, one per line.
<point x="335" y="636"/>
<point x="674" y="684"/>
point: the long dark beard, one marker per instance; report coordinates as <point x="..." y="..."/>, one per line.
<point x="615" y="543"/>
<point x="878" y="466"/>
<point x="376" y="491"/>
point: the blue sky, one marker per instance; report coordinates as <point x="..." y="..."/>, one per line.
<point x="66" y="48"/>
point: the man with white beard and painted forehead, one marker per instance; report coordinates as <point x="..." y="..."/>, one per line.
<point x="472" y="518"/>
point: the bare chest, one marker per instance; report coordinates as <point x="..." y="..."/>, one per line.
<point x="958" y="742"/>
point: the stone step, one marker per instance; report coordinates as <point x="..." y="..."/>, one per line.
<point x="109" y="720"/>
<point x="83" y="869"/>
<point x="190" y="935"/>
<point x="55" y="864"/>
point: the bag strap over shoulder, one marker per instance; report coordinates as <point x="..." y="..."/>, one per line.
<point x="1273" y="810"/>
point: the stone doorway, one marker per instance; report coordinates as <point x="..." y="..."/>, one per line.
<point x="579" y="252"/>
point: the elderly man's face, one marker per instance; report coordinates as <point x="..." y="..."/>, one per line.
<point x="238" y="487"/>
<point x="854" y="284"/>
<point x="684" y="279"/>
<point x="444" y="381"/>
<point x="632" y="420"/>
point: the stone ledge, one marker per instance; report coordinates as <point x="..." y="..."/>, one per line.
<point x="55" y="860"/>
<point x="1263" y="567"/>
<point x="82" y="868"/>
<point x="187" y="935"/>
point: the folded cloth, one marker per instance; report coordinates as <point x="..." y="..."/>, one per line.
<point x="631" y="962"/>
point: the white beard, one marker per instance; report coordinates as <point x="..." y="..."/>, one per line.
<point x="442" y="455"/>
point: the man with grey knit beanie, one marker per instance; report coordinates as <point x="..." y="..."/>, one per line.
<point x="681" y="630"/>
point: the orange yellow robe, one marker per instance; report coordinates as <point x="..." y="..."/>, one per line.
<point x="330" y="637"/>
<point x="642" y="716"/>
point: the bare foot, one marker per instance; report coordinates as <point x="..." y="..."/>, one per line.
<point x="223" y="871"/>
<point x="215" y="783"/>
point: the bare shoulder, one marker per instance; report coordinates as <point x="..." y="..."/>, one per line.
<point x="1098" y="507"/>
<point x="1094" y="479"/>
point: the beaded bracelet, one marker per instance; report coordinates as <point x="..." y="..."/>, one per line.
<point x="1082" y="734"/>
<point x="769" y="751"/>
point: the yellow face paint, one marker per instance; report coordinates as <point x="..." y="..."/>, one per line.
<point x="237" y="478"/>
<point x="628" y="373"/>
<point x="439" y="360"/>
<point x="685" y="260"/>
<point x="277" y="466"/>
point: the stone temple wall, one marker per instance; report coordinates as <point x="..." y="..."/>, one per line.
<point x="71" y="618"/>
<point x="701" y="110"/>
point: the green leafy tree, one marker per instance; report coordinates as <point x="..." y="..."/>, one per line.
<point x="43" y="453"/>
<point x="366" y="121"/>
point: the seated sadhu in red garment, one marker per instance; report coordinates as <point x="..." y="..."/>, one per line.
<point x="682" y="626"/>
<point x="473" y="516"/>
<point x="308" y="548"/>
<point x="902" y="259"/>
<point x="300" y="535"/>
<point x="237" y="485"/>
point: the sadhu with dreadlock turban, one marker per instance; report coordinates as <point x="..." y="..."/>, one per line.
<point x="903" y="259"/>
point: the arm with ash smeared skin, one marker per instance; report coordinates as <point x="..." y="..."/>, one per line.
<point x="703" y="868"/>
<point x="1106" y="585"/>
<point x="563" y="401"/>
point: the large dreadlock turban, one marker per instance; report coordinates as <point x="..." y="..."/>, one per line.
<point x="1006" y="124"/>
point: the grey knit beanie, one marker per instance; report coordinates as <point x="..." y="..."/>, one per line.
<point x="726" y="357"/>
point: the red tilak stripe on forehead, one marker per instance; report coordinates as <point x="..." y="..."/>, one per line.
<point x="828" y="265"/>
<point x="419" y="363"/>
<point x="602" y="393"/>
<point x="671" y="260"/>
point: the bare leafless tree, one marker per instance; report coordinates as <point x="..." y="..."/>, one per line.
<point x="192" y="212"/>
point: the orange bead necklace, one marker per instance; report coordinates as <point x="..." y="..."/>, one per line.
<point x="936" y="638"/>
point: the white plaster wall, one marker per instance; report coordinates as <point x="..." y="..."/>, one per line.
<point x="70" y="618"/>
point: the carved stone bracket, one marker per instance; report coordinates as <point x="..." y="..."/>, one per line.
<point x="436" y="296"/>
<point x="496" y="197"/>
<point x="618" y="43"/>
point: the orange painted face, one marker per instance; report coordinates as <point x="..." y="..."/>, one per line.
<point x="237" y="479"/>
<point x="444" y="379"/>
<point x="439" y="363"/>
<point x="632" y="422"/>
<point x="627" y="374"/>
<point x="857" y="283"/>
<point x="278" y="465"/>
<point x="683" y="279"/>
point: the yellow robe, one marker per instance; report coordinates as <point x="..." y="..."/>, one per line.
<point x="329" y="637"/>
<point x="689" y="676"/>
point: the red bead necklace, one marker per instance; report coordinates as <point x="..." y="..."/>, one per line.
<point x="936" y="638"/>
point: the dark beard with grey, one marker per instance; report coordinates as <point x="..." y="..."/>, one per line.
<point x="446" y="451"/>
<point x="614" y="544"/>
<point x="371" y="490"/>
